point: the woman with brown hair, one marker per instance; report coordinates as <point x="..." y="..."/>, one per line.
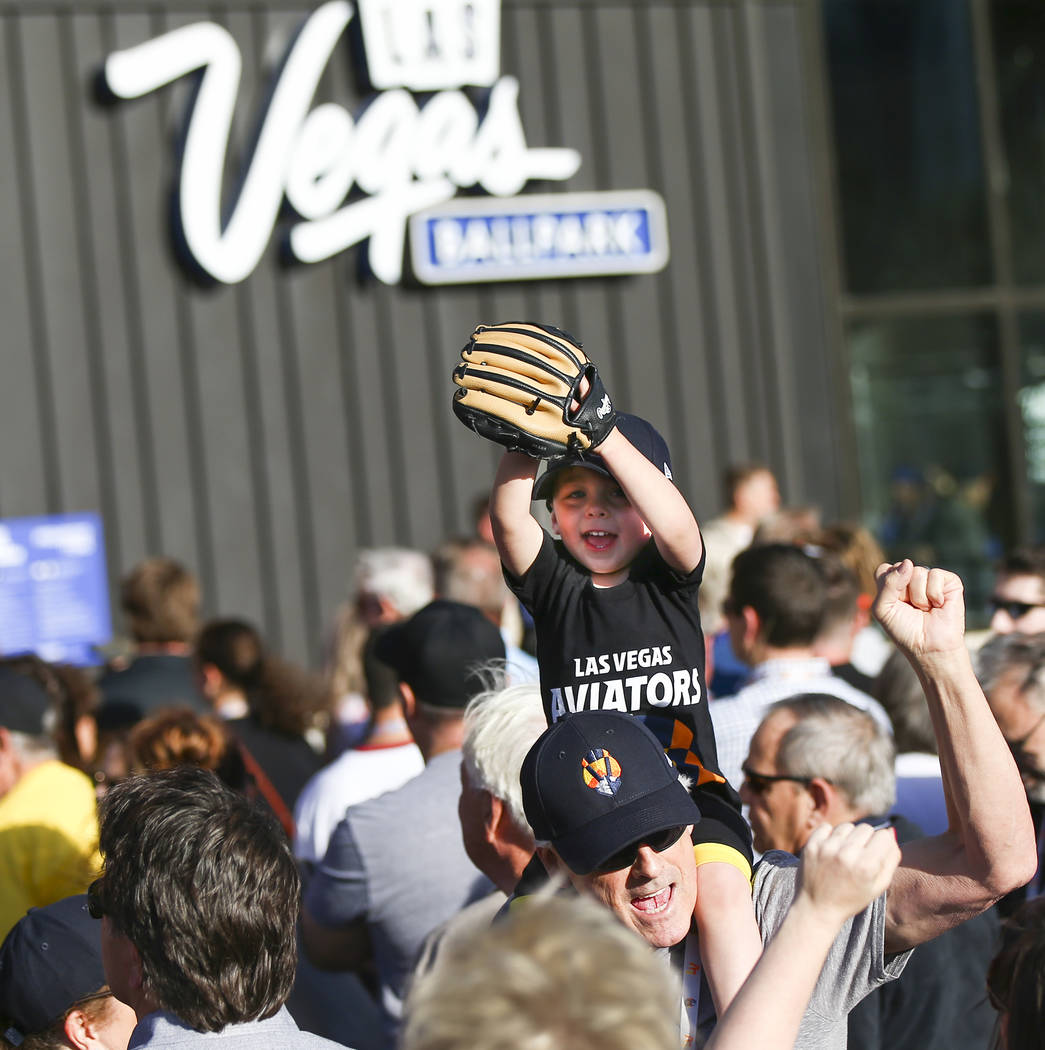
<point x="268" y="704"/>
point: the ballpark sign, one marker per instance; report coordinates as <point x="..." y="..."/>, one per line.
<point x="329" y="179"/>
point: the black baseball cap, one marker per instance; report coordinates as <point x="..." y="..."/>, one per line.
<point x="24" y="703"/>
<point x="598" y="781"/>
<point x="51" y="959"/>
<point x="643" y="435"/>
<point x="439" y="651"/>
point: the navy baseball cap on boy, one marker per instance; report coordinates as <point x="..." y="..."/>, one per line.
<point x="51" y="959"/>
<point x="643" y="435"/>
<point x="597" y="782"/>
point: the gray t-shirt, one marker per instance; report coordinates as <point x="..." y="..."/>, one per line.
<point x="279" y="1032"/>
<point x="856" y="963"/>
<point x="398" y="862"/>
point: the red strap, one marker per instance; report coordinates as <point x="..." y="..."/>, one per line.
<point x="268" y="791"/>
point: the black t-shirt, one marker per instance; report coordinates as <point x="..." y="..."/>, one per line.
<point x="637" y="647"/>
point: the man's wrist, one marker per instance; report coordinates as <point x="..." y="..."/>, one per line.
<point x="943" y="663"/>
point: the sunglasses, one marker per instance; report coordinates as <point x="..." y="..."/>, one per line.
<point x="658" y="841"/>
<point x="760" y="783"/>
<point x="95" y="900"/>
<point x="1015" y="610"/>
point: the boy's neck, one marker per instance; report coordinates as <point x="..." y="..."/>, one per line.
<point x="604" y="581"/>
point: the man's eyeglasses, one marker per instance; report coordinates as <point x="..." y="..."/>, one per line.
<point x="658" y="841"/>
<point x="1015" y="610"/>
<point x="95" y="899"/>
<point x="760" y="783"/>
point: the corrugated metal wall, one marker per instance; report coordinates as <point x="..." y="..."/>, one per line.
<point x="263" y="432"/>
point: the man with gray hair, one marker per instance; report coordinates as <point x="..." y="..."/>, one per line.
<point x="1011" y="669"/>
<point x="48" y="821"/>
<point x="499" y="728"/>
<point x="392" y="583"/>
<point x="814" y="760"/>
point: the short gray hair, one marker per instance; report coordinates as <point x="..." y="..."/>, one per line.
<point x="399" y="574"/>
<point x="36" y="747"/>
<point x="841" y="744"/>
<point x="537" y="981"/>
<point x="500" y="726"/>
<point x="1003" y="653"/>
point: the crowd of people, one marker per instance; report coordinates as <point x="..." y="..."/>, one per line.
<point x="590" y="774"/>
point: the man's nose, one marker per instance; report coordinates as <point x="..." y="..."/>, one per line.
<point x="647" y="862"/>
<point x="1002" y="622"/>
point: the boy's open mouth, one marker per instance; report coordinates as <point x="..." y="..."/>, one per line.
<point x="598" y="540"/>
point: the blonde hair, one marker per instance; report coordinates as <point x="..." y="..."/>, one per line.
<point x="541" y="980"/>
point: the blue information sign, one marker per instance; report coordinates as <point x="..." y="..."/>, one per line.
<point x="54" y="594"/>
<point x="534" y="236"/>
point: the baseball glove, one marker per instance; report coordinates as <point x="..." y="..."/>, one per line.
<point x="518" y="382"/>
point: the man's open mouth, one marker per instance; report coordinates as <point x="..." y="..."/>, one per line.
<point x="653" y="902"/>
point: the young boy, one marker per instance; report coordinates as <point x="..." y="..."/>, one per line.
<point x="615" y="606"/>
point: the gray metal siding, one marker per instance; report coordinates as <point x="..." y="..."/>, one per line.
<point x="264" y="432"/>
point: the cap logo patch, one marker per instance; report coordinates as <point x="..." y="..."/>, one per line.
<point x="601" y="772"/>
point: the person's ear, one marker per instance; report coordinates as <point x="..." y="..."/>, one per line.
<point x="752" y="625"/>
<point x="823" y="797"/>
<point x="493" y="814"/>
<point x="213" y="681"/>
<point x="551" y="861"/>
<point x="407" y="699"/>
<point x="554" y="524"/>
<point x="79" y="1030"/>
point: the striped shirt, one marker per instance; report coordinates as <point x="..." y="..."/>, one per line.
<point x="736" y="717"/>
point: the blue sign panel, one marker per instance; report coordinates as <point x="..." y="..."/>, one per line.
<point x="54" y="594"/>
<point x="540" y="236"/>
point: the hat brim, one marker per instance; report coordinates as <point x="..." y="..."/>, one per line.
<point x="544" y="486"/>
<point x="584" y="849"/>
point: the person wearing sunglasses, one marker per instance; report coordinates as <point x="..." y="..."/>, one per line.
<point x="1017" y="603"/>
<point x="1011" y="669"/>
<point x="53" y="993"/>
<point x="817" y="761"/>
<point x="611" y="818"/>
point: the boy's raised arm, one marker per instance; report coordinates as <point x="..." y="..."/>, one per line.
<point x="517" y="533"/>
<point x="660" y="504"/>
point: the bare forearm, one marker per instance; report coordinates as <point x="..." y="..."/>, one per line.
<point x="768" y="1009"/>
<point x="516" y="531"/>
<point x="987" y="804"/>
<point x="989" y="848"/>
<point x="660" y="504"/>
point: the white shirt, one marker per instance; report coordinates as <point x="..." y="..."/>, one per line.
<point x="354" y="776"/>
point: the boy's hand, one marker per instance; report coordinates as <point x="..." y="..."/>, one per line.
<point x="846" y="867"/>
<point x="530" y="388"/>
